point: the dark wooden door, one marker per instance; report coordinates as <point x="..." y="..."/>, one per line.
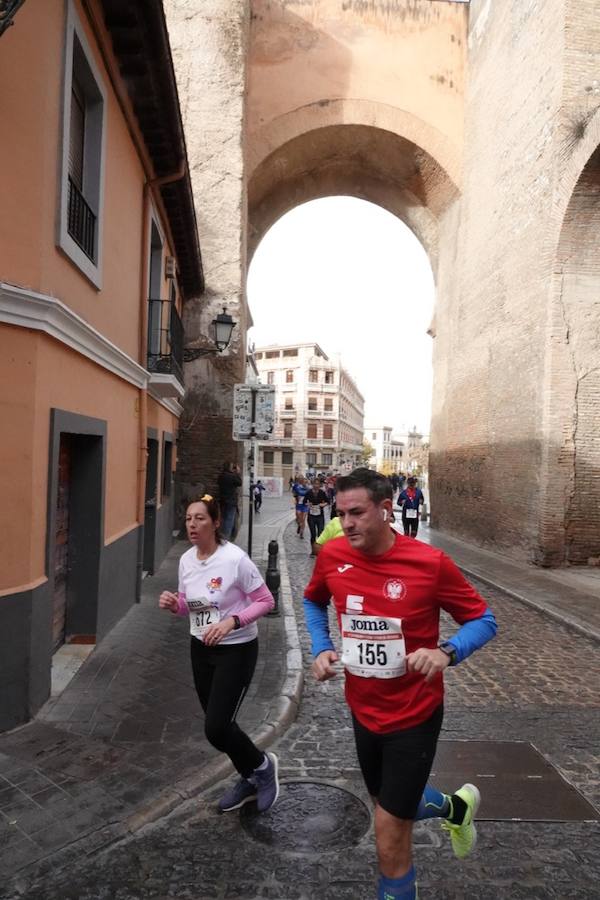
<point x="150" y="506"/>
<point x="61" y="544"/>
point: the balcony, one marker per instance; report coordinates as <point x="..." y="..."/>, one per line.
<point x="319" y="414"/>
<point x="320" y="442"/>
<point x="165" y="349"/>
<point x="287" y="413"/>
<point x="81" y="221"/>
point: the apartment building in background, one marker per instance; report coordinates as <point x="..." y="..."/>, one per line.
<point x="405" y="450"/>
<point x="320" y="412"/>
<point x="388" y="450"/>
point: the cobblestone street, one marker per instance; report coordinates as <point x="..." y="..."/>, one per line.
<point x="538" y="683"/>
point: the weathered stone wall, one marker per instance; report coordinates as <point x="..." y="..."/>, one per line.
<point x="570" y="521"/>
<point x="209" y="41"/>
<point x="358" y="98"/>
<point x="495" y="279"/>
<point x="407" y="54"/>
<point x="515" y="448"/>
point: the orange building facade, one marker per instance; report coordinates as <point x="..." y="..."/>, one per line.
<point x="98" y="253"/>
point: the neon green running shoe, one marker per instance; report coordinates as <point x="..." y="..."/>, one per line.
<point x="464" y="836"/>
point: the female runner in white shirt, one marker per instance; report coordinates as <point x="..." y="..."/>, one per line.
<point x="224" y="594"/>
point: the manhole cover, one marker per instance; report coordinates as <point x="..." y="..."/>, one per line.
<point x="515" y="781"/>
<point x="309" y="817"/>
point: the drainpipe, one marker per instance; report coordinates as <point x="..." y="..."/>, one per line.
<point x="143" y="399"/>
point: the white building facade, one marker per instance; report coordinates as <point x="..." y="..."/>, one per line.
<point x="319" y="413"/>
<point x="388" y="449"/>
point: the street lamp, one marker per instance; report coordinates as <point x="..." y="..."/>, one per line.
<point x="223" y="327"/>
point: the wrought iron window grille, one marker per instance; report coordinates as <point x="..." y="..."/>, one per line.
<point x="165" y="339"/>
<point x="81" y="221"/>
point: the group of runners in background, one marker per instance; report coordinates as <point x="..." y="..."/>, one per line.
<point x="314" y="494"/>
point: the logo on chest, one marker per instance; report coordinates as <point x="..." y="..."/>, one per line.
<point x="394" y="589"/>
<point x="214" y="585"/>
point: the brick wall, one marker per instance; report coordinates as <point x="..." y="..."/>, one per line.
<point x="571" y="514"/>
<point x="494" y="279"/>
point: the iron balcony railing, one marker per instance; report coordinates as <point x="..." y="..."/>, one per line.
<point x="81" y="221"/>
<point x="165" y="339"/>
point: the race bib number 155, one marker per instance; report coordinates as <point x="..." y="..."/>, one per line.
<point x="373" y="646"/>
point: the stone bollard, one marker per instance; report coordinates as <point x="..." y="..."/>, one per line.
<point x="273" y="576"/>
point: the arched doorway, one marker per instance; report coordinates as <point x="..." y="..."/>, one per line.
<point x="570" y="528"/>
<point x="349" y="277"/>
<point x="356" y="160"/>
<point x="361" y="161"/>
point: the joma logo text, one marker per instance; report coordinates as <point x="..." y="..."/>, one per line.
<point x="366" y="625"/>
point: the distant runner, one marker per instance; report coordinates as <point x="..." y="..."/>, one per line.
<point x="411" y="500"/>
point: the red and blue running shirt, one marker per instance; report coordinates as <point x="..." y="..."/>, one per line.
<point x="412" y="582"/>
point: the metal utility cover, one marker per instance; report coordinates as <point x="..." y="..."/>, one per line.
<point x="516" y="782"/>
<point x="309" y="817"/>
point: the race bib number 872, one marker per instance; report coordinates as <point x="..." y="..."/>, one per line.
<point x="373" y="646"/>
<point x="202" y="615"/>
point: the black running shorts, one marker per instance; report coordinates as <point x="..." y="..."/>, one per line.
<point x="396" y="765"/>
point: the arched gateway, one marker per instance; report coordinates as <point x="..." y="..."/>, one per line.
<point x="288" y="100"/>
<point x="344" y="147"/>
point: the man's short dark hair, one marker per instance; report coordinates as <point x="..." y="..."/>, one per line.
<point x="377" y="486"/>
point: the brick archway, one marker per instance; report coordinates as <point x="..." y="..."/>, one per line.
<point x="352" y="148"/>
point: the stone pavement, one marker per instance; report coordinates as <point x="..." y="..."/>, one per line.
<point x="570" y="595"/>
<point x="538" y="682"/>
<point x="124" y="743"/>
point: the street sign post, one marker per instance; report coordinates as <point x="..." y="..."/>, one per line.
<point x="253" y="419"/>
<point x="253" y="411"/>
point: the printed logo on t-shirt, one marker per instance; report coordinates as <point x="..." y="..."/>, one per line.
<point x="214" y="584"/>
<point x="354" y="603"/>
<point x="394" y="589"/>
<point x="344" y="568"/>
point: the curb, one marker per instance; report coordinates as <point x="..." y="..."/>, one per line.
<point x="554" y="614"/>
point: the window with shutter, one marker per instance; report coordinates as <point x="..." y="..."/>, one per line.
<point x="77" y="135"/>
<point x="82" y="164"/>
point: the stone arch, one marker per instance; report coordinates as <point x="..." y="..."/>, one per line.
<point x="359" y="148"/>
<point x="570" y="527"/>
<point x="326" y="112"/>
<point x="581" y="140"/>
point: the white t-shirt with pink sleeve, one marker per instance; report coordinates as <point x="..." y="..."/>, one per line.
<point x="218" y="587"/>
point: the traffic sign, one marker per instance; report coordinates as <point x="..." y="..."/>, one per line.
<point x="253" y="403"/>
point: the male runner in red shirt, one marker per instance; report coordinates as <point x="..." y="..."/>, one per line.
<point x="388" y="591"/>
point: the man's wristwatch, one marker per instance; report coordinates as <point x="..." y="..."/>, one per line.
<point x="236" y="623"/>
<point x="450" y="650"/>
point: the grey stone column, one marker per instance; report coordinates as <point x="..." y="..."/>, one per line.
<point x="209" y="40"/>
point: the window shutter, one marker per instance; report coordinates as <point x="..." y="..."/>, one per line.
<point x="77" y="136"/>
